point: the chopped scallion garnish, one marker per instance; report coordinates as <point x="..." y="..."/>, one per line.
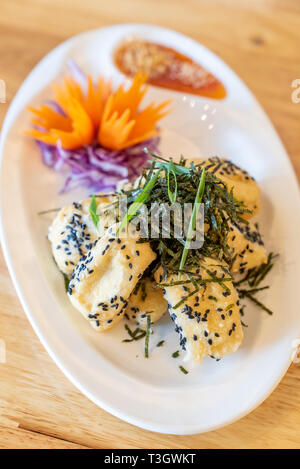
<point x="93" y="211"/>
<point x="147" y="336"/>
<point x="139" y="201"/>
<point x="192" y="224"/>
<point x="66" y="280"/>
<point x="172" y="195"/>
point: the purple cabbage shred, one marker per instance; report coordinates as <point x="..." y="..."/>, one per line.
<point x="95" y="167"/>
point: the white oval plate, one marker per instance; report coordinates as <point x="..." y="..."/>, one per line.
<point x="153" y="393"/>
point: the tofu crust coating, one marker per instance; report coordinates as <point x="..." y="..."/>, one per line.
<point x="103" y="280"/>
<point x="208" y="322"/>
<point x="244" y="187"/>
<point x="246" y="247"/>
<point x="146" y="301"/>
<point x="73" y="233"/>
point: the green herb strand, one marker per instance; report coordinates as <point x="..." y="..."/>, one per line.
<point x="192" y="223"/>
<point x="160" y="344"/>
<point x="172" y="195"/>
<point x="140" y="200"/>
<point x="137" y="334"/>
<point x="67" y="281"/>
<point x="147" y="337"/>
<point x="184" y="371"/>
<point x="93" y="211"/>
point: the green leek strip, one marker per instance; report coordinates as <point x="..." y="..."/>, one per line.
<point x="184" y="371"/>
<point x="93" y="211"/>
<point x="67" y="281"/>
<point x="172" y="195"/>
<point x="192" y="223"/>
<point x="140" y="200"/>
<point x="147" y="336"/>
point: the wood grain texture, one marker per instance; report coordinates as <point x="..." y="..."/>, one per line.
<point x="260" y="40"/>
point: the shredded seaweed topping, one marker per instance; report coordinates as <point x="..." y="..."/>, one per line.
<point x="137" y="334"/>
<point x="66" y="280"/>
<point x="253" y="278"/>
<point x="192" y="224"/>
<point x="148" y="331"/>
<point x="160" y="344"/>
<point x="184" y="371"/>
<point x="172" y="194"/>
<point x="167" y="182"/>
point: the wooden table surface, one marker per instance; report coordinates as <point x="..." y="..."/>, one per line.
<point x="260" y="40"/>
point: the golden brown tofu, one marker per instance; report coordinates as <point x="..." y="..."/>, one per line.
<point x="73" y="233"/>
<point x="246" y="247"/>
<point x="244" y="187"/>
<point x="146" y="300"/>
<point x="104" y="279"/>
<point x="208" y="321"/>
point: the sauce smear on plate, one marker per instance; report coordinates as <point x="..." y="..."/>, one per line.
<point x="167" y="68"/>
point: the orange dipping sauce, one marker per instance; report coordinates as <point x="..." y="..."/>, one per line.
<point x="167" y="68"/>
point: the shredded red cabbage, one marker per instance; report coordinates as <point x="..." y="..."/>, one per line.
<point x="98" y="168"/>
<point x="93" y="166"/>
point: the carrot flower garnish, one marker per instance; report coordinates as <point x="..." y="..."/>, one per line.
<point x="97" y="115"/>
<point x="122" y="124"/>
<point x="95" y="135"/>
